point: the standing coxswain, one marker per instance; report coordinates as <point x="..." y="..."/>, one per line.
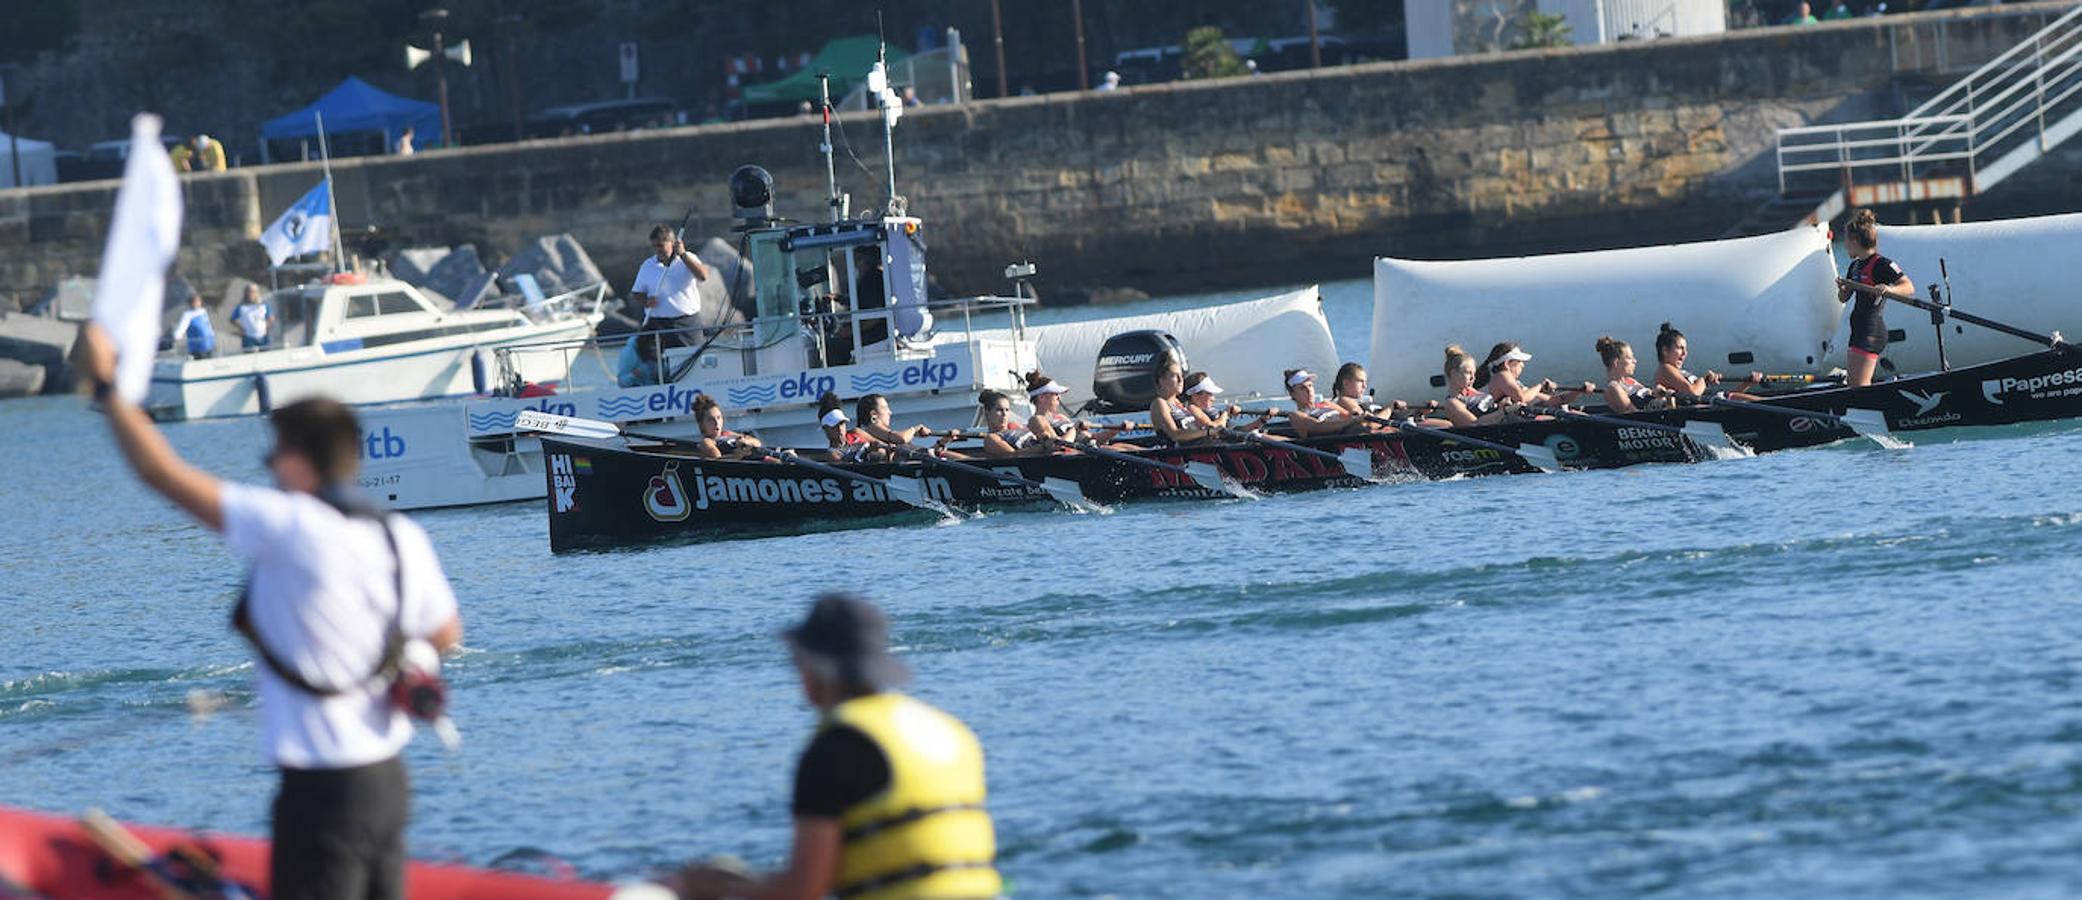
<point x="889" y="794"/>
<point x="342" y="603"/>
<point x="1861" y="239"/>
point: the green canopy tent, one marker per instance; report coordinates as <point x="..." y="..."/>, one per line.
<point x="847" y="59"/>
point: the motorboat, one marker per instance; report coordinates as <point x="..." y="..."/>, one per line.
<point x="365" y="339"/>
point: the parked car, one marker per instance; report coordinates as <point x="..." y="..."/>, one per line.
<point x="605" y="116"/>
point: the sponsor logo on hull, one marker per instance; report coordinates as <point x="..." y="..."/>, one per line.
<point x="563" y="472"/>
<point x="2038" y="387"/>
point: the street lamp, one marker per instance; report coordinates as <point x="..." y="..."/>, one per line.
<point x="441" y="54"/>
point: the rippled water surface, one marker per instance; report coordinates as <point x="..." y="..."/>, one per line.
<point x="1839" y="672"/>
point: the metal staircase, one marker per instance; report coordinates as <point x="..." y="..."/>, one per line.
<point x="1970" y="137"/>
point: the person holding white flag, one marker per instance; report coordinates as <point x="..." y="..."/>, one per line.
<point x="306" y="227"/>
<point x="346" y="607"/>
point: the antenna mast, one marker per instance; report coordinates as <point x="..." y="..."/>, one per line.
<point x="831" y="175"/>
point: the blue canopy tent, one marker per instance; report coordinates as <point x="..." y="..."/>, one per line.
<point x="356" y="106"/>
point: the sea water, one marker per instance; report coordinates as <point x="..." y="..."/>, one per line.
<point x="1838" y="672"/>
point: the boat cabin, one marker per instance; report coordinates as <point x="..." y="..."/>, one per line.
<point x="354" y="313"/>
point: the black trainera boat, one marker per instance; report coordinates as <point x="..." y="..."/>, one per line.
<point x="628" y="489"/>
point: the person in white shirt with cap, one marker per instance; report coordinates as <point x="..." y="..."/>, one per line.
<point x="341" y="603"/>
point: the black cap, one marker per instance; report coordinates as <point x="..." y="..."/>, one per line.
<point x="850" y="633"/>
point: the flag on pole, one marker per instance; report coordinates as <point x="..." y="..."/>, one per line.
<point x="142" y="238"/>
<point x="307" y="226"/>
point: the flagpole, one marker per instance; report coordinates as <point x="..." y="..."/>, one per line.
<point x="332" y="207"/>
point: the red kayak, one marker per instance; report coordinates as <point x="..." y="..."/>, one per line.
<point x="52" y="856"/>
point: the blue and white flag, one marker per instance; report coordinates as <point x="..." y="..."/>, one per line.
<point x="142" y="240"/>
<point x="307" y="227"/>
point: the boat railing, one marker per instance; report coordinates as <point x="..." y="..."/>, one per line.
<point x="577" y="302"/>
<point x="745" y="333"/>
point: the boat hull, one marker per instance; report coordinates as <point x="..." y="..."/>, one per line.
<point x="55" y="857"/>
<point x="604" y="493"/>
<point x="231" y="385"/>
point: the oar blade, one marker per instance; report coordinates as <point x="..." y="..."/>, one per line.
<point x="1358" y="463"/>
<point x="1069" y="493"/>
<point x="1540" y="457"/>
<point x="1867" y="422"/>
<point x="535" y="420"/>
<point x="1207" y="476"/>
<point x="906" y="489"/>
<point x="1708" y="434"/>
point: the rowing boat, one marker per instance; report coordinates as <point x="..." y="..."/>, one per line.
<point x="620" y="490"/>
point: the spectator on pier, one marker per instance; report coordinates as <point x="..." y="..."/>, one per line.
<point x="1838" y="12"/>
<point x="1803" y="15"/>
<point x="200" y="153"/>
<point x="404" y="147"/>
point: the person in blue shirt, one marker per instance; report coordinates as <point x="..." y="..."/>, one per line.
<point x="195" y="326"/>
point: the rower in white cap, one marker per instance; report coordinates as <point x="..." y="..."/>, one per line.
<point x="1314" y="416"/>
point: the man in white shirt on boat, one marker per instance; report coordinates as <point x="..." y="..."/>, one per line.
<point x="339" y="596"/>
<point x="253" y="319"/>
<point x="668" y="287"/>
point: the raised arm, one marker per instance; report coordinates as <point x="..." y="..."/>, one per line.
<point x="147" y="451"/>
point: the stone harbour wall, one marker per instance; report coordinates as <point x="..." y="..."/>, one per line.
<point x="1166" y="188"/>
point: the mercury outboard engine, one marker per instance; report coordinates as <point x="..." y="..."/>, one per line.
<point x="1125" y="379"/>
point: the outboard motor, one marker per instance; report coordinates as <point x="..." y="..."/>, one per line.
<point x="1125" y="380"/>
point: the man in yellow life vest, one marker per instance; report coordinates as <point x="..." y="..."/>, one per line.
<point x="888" y="795"/>
<point x="200" y="153"/>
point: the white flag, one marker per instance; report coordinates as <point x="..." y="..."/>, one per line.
<point x="142" y="239"/>
<point x="307" y="226"/>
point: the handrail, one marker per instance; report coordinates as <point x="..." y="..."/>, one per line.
<point x="1987" y="111"/>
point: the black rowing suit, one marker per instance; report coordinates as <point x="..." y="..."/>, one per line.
<point x="1868" y="329"/>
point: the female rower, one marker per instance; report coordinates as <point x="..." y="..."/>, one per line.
<point x="1003" y="435"/>
<point x="1348" y="390"/>
<point x="844" y="442"/>
<point x="1622" y="392"/>
<point x="873" y="412"/>
<point x="718" y="442"/>
<point x="1501" y="373"/>
<point x="1050" y="424"/>
<point x="1465" y="403"/>
<point x="1200" y="394"/>
<point x="1671" y="350"/>
<point x="1314" y="417"/>
<point x="1861" y="239"/>
<point x="1169" y="416"/>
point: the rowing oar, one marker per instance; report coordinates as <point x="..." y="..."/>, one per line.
<point x="177" y="875"/>
<point x="1540" y="457"/>
<point x="903" y="488"/>
<point x="1707" y="434"/>
<point x="2052" y="341"/>
<point x="1356" y="462"/>
<point x="1868" y="422"/>
<point x="1066" y="492"/>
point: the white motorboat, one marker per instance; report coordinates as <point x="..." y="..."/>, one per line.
<point x="367" y="340"/>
